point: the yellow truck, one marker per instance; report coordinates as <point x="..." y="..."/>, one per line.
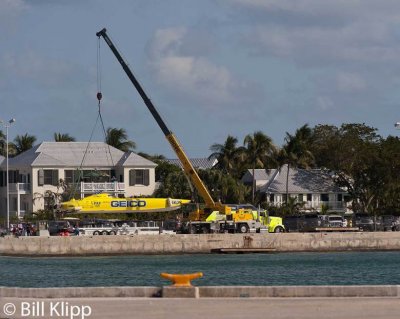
<point x="242" y="219"/>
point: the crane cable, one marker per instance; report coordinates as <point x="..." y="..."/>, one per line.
<point x="99" y="97"/>
<point x="99" y="116"/>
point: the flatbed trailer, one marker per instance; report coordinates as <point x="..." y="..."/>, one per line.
<point x="337" y="229"/>
<point x="223" y="226"/>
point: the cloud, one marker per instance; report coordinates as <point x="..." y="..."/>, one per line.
<point x="350" y="82"/>
<point x="12" y="7"/>
<point x="361" y="31"/>
<point x="52" y="2"/>
<point x="38" y="69"/>
<point x="350" y="49"/>
<point x="189" y="75"/>
<point x="10" y="12"/>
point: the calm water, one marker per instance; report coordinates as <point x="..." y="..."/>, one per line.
<point x="349" y="268"/>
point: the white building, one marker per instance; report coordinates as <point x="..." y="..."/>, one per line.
<point x="87" y="167"/>
<point x="314" y="187"/>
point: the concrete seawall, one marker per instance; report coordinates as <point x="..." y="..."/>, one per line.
<point x="187" y="244"/>
<point x="204" y="292"/>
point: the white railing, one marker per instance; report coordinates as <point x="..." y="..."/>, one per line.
<point x="113" y="187"/>
<point x="20" y="188"/>
<point x="331" y="205"/>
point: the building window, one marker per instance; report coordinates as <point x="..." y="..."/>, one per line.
<point x="284" y="198"/>
<point x="139" y="177"/>
<point x="339" y="197"/>
<point x="324" y="197"/>
<point x="309" y="197"/>
<point x="300" y="198"/>
<point x="13" y="176"/>
<point x="271" y="198"/>
<point x="72" y="176"/>
<point x="47" y="177"/>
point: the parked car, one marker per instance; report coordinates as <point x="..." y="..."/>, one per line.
<point x="309" y="222"/>
<point x="396" y="223"/>
<point x="56" y="227"/>
<point x="365" y="222"/>
<point x="335" y="221"/>
<point x="292" y="223"/>
<point x="3" y="232"/>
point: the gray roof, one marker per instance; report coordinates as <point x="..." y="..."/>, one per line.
<point x="260" y="174"/>
<point x="133" y="159"/>
<point x="301" y="181"/>
<point x="77" y="154"/>
<point x="198" y="163"/>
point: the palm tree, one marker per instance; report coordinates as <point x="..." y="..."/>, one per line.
<point x="23" y="143"/>
<point x="58" y="137"/>
<point x="227" y="155"/>
<point x="259" y="148"/>
<point x="296" y="152"/>
<point x="118" y="138"/>
<point x="2" y="143"/>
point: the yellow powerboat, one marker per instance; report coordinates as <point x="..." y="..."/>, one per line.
<point x="106" y="203"/>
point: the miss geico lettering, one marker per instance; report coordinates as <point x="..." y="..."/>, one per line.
<point x="128" y="203"/>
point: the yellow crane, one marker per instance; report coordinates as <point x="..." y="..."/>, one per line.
<point x="188" y="168"/>
<point x="221" y="214"/>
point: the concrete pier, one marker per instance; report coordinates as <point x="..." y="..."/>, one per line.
<point x="190" y="244"/>
<point x="222" y="308"/>
<point x="392" y="291"/>
<point x="300" y="302"/>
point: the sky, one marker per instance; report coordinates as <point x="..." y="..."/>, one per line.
<point x="212" y="68"/>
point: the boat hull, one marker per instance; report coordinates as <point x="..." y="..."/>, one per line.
<point x="106" y="203"/>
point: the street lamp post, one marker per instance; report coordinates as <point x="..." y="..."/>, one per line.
<point x="7" y="125"/>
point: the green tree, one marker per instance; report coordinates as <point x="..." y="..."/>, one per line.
<point x="222" y="187"/>
<point x="59" y="137"/>
<point x="118" y="138"/>
<point x="258" y="149"/>
<point x="326" y="146"/>
<point x="175" y="185"/>
<point x="352" y="153"/>
<point x="51" y="199"/>
<point x="23" y="143"/>
<point x="385" y="177"/>
<point x="164" y="169"/>
<point x="228" y="155"/>
<point x="2" y="143"/>
<point x="296" y="152"/>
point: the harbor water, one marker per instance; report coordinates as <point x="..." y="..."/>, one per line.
<point x="345" y="268"/>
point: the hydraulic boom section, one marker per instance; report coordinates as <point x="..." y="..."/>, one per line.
<point x="187" y="165"/>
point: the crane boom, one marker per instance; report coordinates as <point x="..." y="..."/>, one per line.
<point x="173" y="141"/>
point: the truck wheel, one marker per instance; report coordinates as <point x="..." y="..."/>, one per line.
<point x="113" y="232"/>
<point x="279" y="229"/>
<point x="104" y="232"/>
<point x="192" y="230"/>
<point x="243" y="228"/>
<point x="204" y="230"/>
<point x="96" y="233"/>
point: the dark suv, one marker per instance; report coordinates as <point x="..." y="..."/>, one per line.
<point x="365" y="222"/>
<point x="57" y="226"/>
